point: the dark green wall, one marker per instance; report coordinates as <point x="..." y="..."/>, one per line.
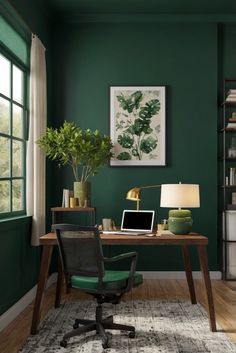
<point x="88" y="58"/>
<point x="19" y="261"/>
<point x="191" y="60"/>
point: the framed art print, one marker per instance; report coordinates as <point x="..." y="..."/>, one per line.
<point x="138" y="125"/>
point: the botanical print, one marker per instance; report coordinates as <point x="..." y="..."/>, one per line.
<point x="138" y="125"/>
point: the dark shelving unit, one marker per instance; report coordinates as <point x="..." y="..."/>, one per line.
<point x="226" y="208"/>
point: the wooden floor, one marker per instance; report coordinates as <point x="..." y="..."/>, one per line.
<point x="14" y="336"/>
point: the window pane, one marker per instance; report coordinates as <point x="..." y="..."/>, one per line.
<point x="5" y="68"/>
<point x="5" y="157"/>
<point x="17" y="121"/>
<point x="17" y="195"/>
<point x="17" y="84"/>
<point x="17" y="163"/>
<point x="4" y="196"/>
<point x="4" y="116"/>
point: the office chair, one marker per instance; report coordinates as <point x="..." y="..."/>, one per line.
<point x="84" y="268"/>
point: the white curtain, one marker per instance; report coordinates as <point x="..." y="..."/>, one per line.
<point x="35" y="160"/>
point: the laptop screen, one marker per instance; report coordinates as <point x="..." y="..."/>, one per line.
<point x="137" y="220"/>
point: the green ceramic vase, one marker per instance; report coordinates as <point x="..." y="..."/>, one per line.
<point x="82" y="190"/>
<point x="180" y="221"/>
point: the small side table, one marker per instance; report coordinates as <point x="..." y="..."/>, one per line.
<point x="57" y="211"/>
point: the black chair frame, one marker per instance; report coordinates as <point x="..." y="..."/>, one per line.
<point x="101" y="293"/>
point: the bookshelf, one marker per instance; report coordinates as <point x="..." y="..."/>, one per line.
<point x="227" y="180"/>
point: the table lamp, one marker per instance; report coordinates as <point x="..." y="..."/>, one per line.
<point x="180" y="195"/>
<point x="134" y="194"/>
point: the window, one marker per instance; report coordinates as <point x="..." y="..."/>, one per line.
<point x="13" y="109"/>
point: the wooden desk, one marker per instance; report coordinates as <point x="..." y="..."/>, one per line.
<point x="200" y="241"/>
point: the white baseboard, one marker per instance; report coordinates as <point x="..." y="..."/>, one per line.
<point x="18" y="307"/>
<point x="9" y="315"/>
<point x="176" y="274"/>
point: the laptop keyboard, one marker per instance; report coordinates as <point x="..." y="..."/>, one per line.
<point x="122" y="232"/>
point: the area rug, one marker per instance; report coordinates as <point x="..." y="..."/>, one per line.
<point x="161" y="327"/>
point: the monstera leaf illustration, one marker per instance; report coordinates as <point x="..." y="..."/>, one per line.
<point x="130" y="102"/>
<point x="148" y="145"/>
<point x="151" y="108"/>
<point x="124" y="156"/>
<point x="125" y="140"/>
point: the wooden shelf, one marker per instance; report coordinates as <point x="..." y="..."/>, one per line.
<point x="228" y="103"/>
<point x="228" y="129"/>
<point x="232" y="159"/>
<point x="57" y="212"/>
<point x="72" y="209"/>
<point x="229" y="186"/>
<point x="230" y="207"/>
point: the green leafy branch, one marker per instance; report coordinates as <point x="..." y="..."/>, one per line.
<point x="81" y="149"/>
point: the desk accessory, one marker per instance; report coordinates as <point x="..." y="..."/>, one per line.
<point x="134" y="194"/>
<point x="180" y="195"/>
<point x="108" y="224"/>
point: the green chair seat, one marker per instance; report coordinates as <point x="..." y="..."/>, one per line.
<point x="111" y="280"/>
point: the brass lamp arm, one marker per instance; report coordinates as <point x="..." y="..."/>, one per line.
<point x="150" y="186"/>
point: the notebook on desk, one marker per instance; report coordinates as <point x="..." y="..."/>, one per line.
<point x="135" y="222"/>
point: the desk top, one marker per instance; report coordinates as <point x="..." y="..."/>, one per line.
<point x="121" y="239"/>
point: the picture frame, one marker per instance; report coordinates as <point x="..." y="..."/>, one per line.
<point x="138" y="125"/>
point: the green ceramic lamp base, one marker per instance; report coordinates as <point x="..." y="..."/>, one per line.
<point x="180" y="221"/>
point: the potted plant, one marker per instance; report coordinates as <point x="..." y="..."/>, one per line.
<point x="84" y="150"/>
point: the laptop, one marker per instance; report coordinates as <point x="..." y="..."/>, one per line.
<point x="135" y="222"/>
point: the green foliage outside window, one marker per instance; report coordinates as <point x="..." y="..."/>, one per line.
<point x="12" y="141"/>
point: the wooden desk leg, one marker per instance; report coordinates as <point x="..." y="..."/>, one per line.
<point x="189" y="275"/>
<point x="59" y="284"/>
<point x="42" y="280"/>
<point x="206" y="276"/>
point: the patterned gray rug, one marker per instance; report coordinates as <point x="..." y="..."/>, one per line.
<point x="161" y="327"/>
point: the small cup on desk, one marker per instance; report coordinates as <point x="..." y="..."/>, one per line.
<point x="107" y="224"/>
<point x="160" y="227"/>
<point x="73" y="202"/>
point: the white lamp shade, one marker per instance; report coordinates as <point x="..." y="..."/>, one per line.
<point x="180" y="195"/>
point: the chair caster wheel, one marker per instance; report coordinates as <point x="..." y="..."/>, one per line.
<point x="132" y="334"/>
<point x="105" y="345"/>
<point x="75" y="326"/>
<point x="63" y="343"/>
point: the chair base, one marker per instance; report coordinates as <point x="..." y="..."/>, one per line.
<point x="99" y="325"/>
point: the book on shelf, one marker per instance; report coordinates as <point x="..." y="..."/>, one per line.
<point x="231" y="98"/>
<point x="231" y="95"/>
<point x="231" y="125"/>
<point x="232" y="176"/>
<point x="66" y="198"/>
<point x="231" y="91"/>
<point x="234" y="198"/>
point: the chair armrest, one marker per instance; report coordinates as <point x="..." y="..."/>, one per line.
<point x="132" y="255"/>
<point x="120" y="257"/>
